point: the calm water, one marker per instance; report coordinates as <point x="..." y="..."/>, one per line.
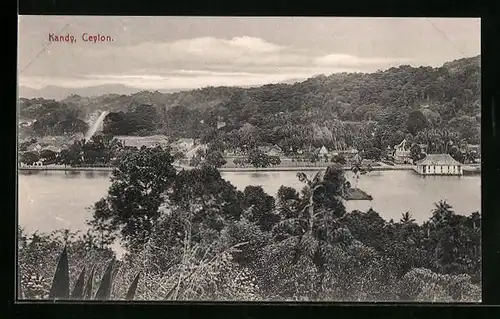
<point x="55" y="200"/>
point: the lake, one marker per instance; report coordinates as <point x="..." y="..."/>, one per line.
<point x="50" y="200"/>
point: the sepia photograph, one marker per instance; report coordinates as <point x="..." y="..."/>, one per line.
<point x="272" y="159"/>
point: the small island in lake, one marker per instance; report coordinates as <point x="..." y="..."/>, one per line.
<point x="356" y="194"/>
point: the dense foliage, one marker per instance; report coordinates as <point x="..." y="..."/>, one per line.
<point x="195" y="236"/>
<point x="51" y="117"/>
<point x="366" y="111"/>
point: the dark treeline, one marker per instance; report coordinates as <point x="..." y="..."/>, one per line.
<point x="101" y="150"/>
<point x="193" y="235"/>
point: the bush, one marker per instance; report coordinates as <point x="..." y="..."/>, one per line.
<point x="38" y="255"/>
<point x="424" y="285"/>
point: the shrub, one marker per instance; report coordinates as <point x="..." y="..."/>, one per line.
<point x="424" y="285"/>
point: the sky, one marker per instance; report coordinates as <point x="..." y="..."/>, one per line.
<point x="156" y="53"/>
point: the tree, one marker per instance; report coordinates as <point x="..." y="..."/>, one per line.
<point x="139" y="183"/>
<point x="215" y="159"/>
<point x="205" y="201"/>
<point x="416" y="122"/>
<point x="309" y="236"/>
<point x="323" y="193"/>
<point x="442" y="213"/>
<point x="29" y="158"/>
<point x="287" y="201"/>
<point x="258" y="159"/>
<point x="373" y="154"/>
<point x="274" y="160"/>
<point x="406" y="218"/>
<point x="339" y="159"/>
<point x="75" y="154"/>
<point x="48" y="155"/>
<point x="416" y="153"/>
<point x="468" y="128"/>
<point x="262" y="207"/>
<point x="313" y="157"/>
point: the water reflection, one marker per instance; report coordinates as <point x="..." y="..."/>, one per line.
<point x="89" y="174"/>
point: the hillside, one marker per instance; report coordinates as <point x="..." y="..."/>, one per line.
<point x="324" y="106"/>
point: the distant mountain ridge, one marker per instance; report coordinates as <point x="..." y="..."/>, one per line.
<point x="448" y="95"/>
<point x="60" y="93"/>
<point x="403" y="85"/>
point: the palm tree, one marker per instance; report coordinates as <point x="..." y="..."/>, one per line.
<point x="313" y="185"/>
<point x="442" y="213"/>
<point x="476" y="220"/>
<point x="309" y="242"/>
<point x="406" y="218"/>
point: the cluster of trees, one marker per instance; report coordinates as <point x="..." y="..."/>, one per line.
<point x="211" y="156"/>
<point x="100" y="150"/>
<point x="258" y="158"/>
<point x="298" y="246"/>
<point x="441" y="141"/>
<point x="344" y="110"/>
<point x="52" y="118"/>
<point x="140" y="120"/>
<point x="367" y="111"/>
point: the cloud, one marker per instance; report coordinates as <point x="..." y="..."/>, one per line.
<point x="222" y="47"/>
<point x="192" y="63"/>
<point x="353" y="61"/>
<point x="238" y="52"/>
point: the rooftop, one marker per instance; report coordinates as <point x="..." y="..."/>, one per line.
<point x="438" y="159"/>
<point x="184" y="140"/>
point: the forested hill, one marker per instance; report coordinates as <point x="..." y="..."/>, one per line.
<point x="387" y="97"/>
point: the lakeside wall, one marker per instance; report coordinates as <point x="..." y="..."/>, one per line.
<point x="222" y="169"/>
<point x="468" y="170"/>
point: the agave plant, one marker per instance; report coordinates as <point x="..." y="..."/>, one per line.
<point x="60" y="288"/>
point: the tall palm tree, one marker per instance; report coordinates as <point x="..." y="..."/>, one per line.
<point x="313" y="185"/>
<point x="332" y="184"/>
<point x="442" y="213"/>
<point x="406" y="218"/>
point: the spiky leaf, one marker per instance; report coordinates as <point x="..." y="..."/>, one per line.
<point x="104" y="290"/>
<point x="88" y="288"/>
<point x="133" y="287"/>
<point x="79" y="285"/>
<point x="60" y="284"/>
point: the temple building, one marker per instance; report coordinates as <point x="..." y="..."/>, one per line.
<point x="439" y="164"/>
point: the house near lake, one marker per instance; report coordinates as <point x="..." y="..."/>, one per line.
<point x="323" y="151"/>
<point x="183" y="144"/>
<point x="140" y="141"/>
<point x="272" y="150"/>
<point x="438" y="164"/>
<point x="402" y="153"/>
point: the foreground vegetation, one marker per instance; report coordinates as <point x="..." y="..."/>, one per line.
<point x="193" y="236"/>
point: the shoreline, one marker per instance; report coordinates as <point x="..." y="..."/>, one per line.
<point x="239" y="169"/>
<point x="221" y="169"/>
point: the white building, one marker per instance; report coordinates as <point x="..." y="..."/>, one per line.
<point x="183" y="144"/>
<point x="323" y="151"/>
<point x="272" y="150"/>
<point x="139" y="141"/>
<point x="402" y="153"/>
<point x="439" y="164"/>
